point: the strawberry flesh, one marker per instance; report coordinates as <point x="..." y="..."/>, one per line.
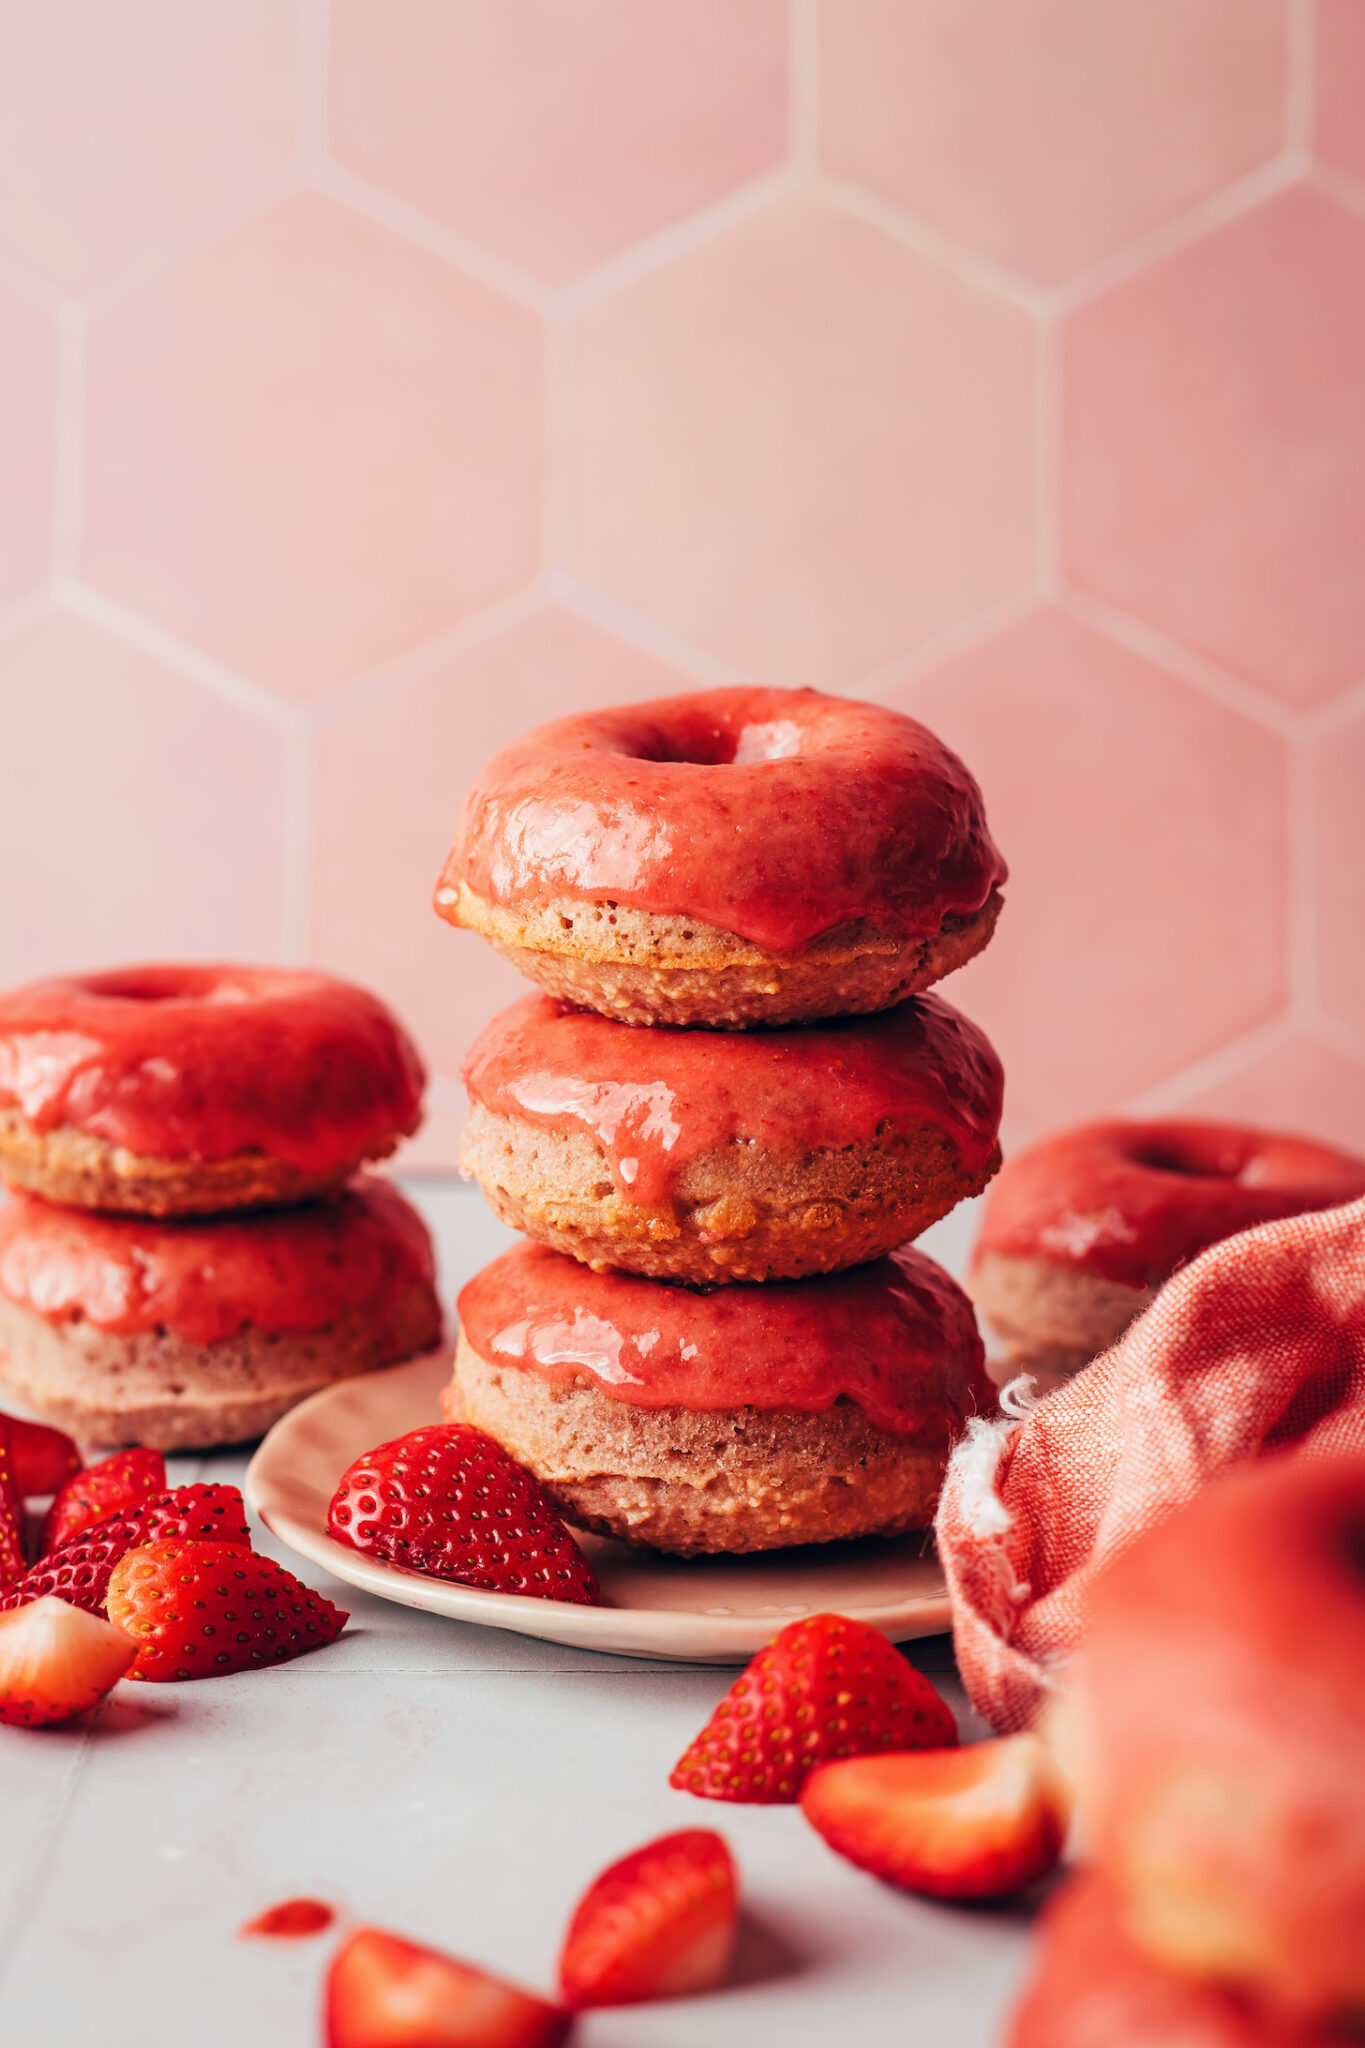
<point x="383" y="1992"/>
<point x="56" y="1661"/>
<point x="112" y="1487"/>
<point x="200" y="1610"/>
<point x="80" y="1571"/>
<point x="824" y="1687"/>
<point x="11" y="1513"/>
<point x="450" y="1502"/>
<point x="44" y="1459"/>
<point x="974" y="1823"/>
<point x="660" y="1923"/>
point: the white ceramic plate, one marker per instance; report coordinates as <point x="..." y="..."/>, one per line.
<point x="716" y="1610"/>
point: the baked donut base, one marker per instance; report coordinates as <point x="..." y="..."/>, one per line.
<point x="737" y="1214"/>
<point x="70" y="1167"/>
<point x="159" y="1389"/>
<point x="692" y="1481"/>
<point x="1050" y="1319"/>
<point x="643" y="967"/>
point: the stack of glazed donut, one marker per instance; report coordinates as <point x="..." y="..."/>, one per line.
<point x="725" y="1113"/>
<point x="188" y="1247"/>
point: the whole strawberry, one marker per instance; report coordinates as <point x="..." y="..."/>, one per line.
<point x="44" y="1459"/>
<point x="79" y="1572"/>
<point x="198" y="1610"/>
<point x="823" y="1688"/>
<point x="110" y="1488"/>
<point x="451" y="1502"/>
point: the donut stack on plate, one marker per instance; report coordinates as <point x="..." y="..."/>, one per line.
<point x="725" y="1113"/>
<point x="188" y="1248"/>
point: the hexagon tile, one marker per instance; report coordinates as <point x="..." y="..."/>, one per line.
<point x="1339" y="133"/>
<point x="800" y="445"/>
<point x="123" y="125"/>
<point x="1214" y="419"/>
<point x="149" y="820"/>
<point x="1047" y="133"/>
<point x="1145" y="830"/>
<point x="312" y="446"/>
<point x="558" y="136"/>
<point x="391" y="779"/>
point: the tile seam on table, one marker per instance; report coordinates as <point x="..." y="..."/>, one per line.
<point x="35" y="1865"/>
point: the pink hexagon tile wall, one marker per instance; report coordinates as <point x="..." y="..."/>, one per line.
<point x="801" y="446"/>
<point x="312" y="446"/>
<point x="377" y="380"/>
<point x="1048" y="133"/>
<point x="149" y="820"/>
<point x="390" y="783"/>
<point x="1145" y="830"/>
<point x="558" y="136"/>
<point x="121" y="126"/>
<point x="1214" y="418"/>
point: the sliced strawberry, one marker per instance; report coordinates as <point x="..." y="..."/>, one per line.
<point x="11" y="1513"/>
<point x="451" y="1502"/>
<point x="824" y="1687"/>
<point x="56" y="1661"/>
<point x="110" y="1488"/>
<point x="970" y="1823"/>
<point x="291" y="1920"/>
<point x="659" y="1924"/>
<point x="198" y="1610"/>
<point x="44" y="1459"/>
<point x="383" y="1992"/>
<point x="79" y="1572"/>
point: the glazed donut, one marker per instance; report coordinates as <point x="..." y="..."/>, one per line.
<point x="730" y="858"/>
<point x="134" y="1330"/>
<point x="1081" y="1230"/>
<point x="1221" y="1750"/>
<point x="766" y="1155"/>
<point x="732" y="1419"/>
<point x="188" y="1090"/>
<point x="1090" y="1988"/>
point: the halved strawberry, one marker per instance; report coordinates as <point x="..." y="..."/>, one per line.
<point x="79" y="1572"/>
<point x="11" y="1513"/>
<point x="972" y="1823"/>
<point x="823" y="1687"/>
<point x="384" y="1992"/>
<point x="44" y="1459"/>
<point x="56" y="1661"/>
<point x="451" y="1502"/>
<point x="659" y="1924"/>
<point x="112" y="1487"/>
<point x="198" y="1610"/>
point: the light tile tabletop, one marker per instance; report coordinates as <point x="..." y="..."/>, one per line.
<point x="459" y="1785"/>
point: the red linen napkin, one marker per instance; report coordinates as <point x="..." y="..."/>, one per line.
<point x="1257" y="1345"/>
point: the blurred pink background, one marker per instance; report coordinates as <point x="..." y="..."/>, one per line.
<point x="380" y="377"/>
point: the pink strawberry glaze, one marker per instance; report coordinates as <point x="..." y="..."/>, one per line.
<point x="898" y="1337"/>
<point x="1132" y="1201"/>
<point x="654" y="1100"/>
<point x="282" y="1270"/>
<point x="773" y="814"/>
<point x="200" y="1063"/>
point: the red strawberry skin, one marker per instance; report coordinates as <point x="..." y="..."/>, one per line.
<point x="44" y="1459"/>
<point x="11" y="1513"/>
<point x="79" y="1572"/>
<point x="384" y="1992"/>
<point x="660" y="1923"/>
<point x="449" y="1501"/>
<point x="824" y="1687"/>
<point x="200" y="1610"/>
<point x="110" y="1488"/>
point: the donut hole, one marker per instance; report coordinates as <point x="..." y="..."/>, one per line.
<point x="715" y="746"/>
<point x="1166" y="1157"/>
<point x="162" y="985"/>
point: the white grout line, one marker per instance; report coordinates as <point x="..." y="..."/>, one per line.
<point x="1224" y="1064"/>
<point x="644" y="257"/>
<point x="1229" y="204"/>
<point x="419" y="229"/>
<point x="69" y="443"/>
<point x="1300" y="881"/>
<point x="211" y="675"/>
<point x="891" y="677"/>
<point x="978" y="273"/>
<point x="429" y="655"/>
<point x="1047" y="508"/>
<point x="1300" y="81"/>
<point x="600" y="609"/>
<point x="1231" y="691"/>
<point x="1334" y="184"/>
<point x="314" y="82"/>
<point x="262" y="196"/>
<point x="1339" y="710"/>
<point x="34" y="1867"/>
<point x="803" y="73"/>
